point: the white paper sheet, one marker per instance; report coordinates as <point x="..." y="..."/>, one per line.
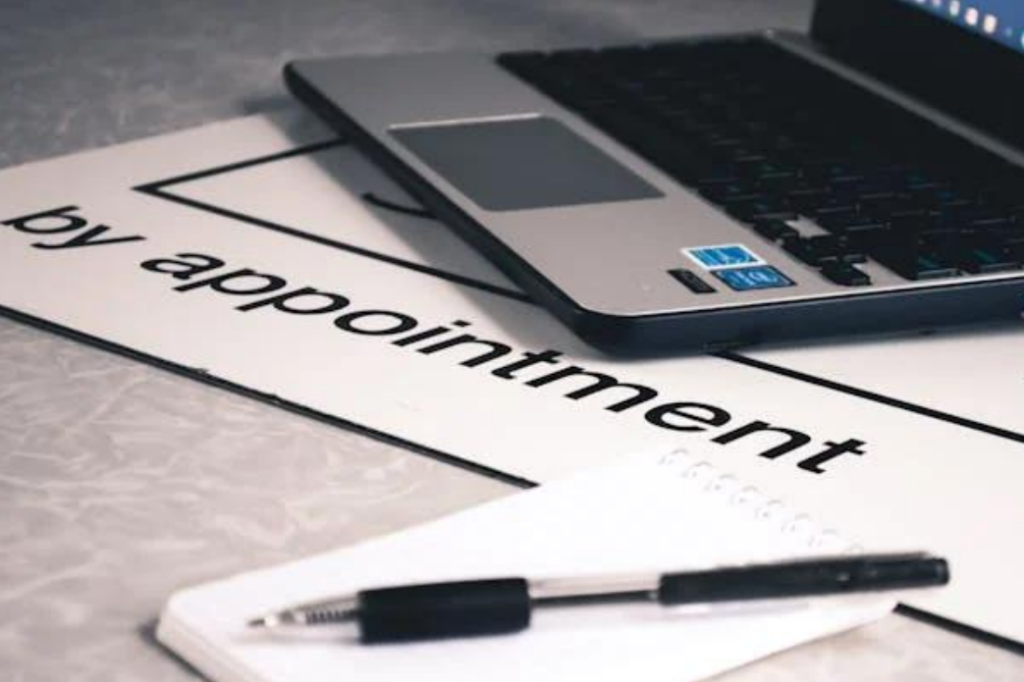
<point x="634" y="517"/>
<point x="940" y="473"/>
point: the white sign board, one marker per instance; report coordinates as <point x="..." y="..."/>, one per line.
<point x="264" y="254"/>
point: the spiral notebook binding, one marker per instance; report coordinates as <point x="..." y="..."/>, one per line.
<point x="710" y="479"/>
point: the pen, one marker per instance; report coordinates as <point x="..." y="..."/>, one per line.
<point x="505" y="605"/>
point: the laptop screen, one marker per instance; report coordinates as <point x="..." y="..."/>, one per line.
<point x="963" y="57"/>
<point x="999" y="20"/>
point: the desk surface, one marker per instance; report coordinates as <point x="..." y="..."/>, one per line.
<point x="120" y="483"/>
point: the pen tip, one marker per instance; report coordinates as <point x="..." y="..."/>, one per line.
<point x="264" y="622"/>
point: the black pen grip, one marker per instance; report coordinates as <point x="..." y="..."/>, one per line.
<point x="435" y="611"/>
<point x="803" y="578"/>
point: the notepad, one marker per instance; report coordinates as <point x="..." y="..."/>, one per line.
<point x="646" y="513"/>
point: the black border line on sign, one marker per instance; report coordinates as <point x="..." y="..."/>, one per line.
<point x="872" y="396"/>
<point x="206" y="377"/>
<point x="961" y="629"/>
<point x="159" y="189"/>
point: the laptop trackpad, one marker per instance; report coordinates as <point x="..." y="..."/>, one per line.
<point x="523" y="163"/>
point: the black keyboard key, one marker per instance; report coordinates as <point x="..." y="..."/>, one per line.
<point x="809" y="198"/>
<point x="852" y="224"/>
<point x="846" y="275"/>
<point x="758" y="168"/>
<point x="987" y="257"/>
<point x="724" y="192"/>
<point x="883" y="204"/>
<point x="936" y="226"/>
<point x="917" y="183"/>
<point x="832" y="170"/>
<point x="937" y="199"/>
<point x="774" y="230"/>
<point x="816" y="251"/>
<point x="779" y="184"/>
<point x="909" y="224"/>
<point x="903" y="213"/>
<point x="1008" y="194"/>
<point x="832" y="209"/>
<point x="916" y="264"/>
<point x="717" y="173"/>
<point x="837" y="248"/>
<point x="907" y="254"/>
<point x="762" y="208"/>
<point x="989" y="224"/>
<point x="929" y="266"/>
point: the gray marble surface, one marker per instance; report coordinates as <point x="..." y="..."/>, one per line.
<point x="120" y="483"/>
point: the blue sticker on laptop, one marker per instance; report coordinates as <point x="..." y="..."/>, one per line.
<point x="724" y="256"/>
<point x="753" y="278"/>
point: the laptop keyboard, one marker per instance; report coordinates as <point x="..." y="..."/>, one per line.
<point x="776" y="141"/>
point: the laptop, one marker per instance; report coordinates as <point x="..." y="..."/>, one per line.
<point x="709" y="193"/>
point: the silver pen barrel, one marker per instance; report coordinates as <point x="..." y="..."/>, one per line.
<point x="327" y="612"/>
